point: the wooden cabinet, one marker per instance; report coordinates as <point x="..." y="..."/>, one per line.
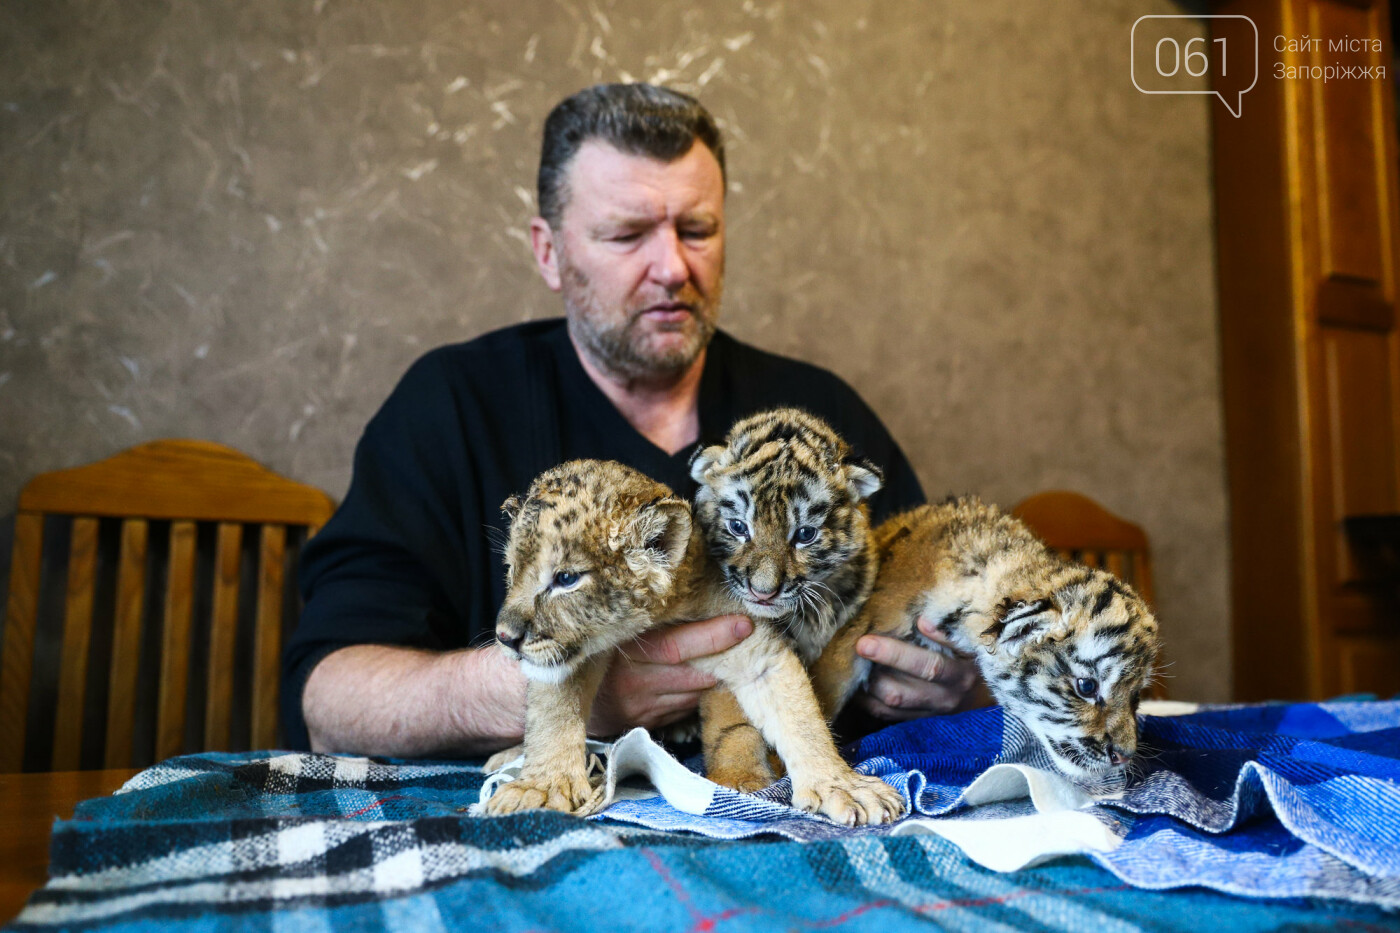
<point x="1306" y="203"/>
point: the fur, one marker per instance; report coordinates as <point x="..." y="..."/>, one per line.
<point x="1044" y="630"/>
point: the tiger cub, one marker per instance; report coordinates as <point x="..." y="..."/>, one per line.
<point x="782" y="506"/>
<point x="1065" y="648"/>
<point x="598" y="553"/>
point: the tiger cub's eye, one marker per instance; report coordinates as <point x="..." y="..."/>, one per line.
<point x="737" y="528"/>
<point x="1087" y="687"/>
<point x="805" y="535"/>
<point x="565" y="579"/>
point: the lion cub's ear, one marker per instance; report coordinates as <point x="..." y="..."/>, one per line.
<point x="657" y="536"/>
<point x="512" y="508"/>
<point x="704" y="459"/>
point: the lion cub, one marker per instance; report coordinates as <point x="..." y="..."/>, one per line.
<point x="1065" y="648"/>
<point x="597" y="554"/>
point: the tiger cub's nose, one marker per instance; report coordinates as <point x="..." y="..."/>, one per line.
<point x="763" y="596"/>
<point x="510" y="641"/>
<point x="1117" y="757"/>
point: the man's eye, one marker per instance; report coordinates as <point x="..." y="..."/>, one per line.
<point x="1087" y="687"/>
<point x="805" y="535"/>
<point x="738" y="528"/>
<point x="566" y="579"/>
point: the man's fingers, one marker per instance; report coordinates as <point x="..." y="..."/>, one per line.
<point x="929" y="630"/>
<point x="904" y="692"/>
<point x="902" y="656"/>
<point x="880" y="710"/>
<point x="680" y="643"/>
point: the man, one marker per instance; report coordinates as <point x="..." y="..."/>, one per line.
<point x="403" y="580"/>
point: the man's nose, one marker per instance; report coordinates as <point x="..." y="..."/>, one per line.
<point x="668" y="265"/>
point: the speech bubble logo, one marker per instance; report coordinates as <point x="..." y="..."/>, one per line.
<point x="1167" y="57"/>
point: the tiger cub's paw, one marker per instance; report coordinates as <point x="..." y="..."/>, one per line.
<point x="851" y="799"/>
<point x="568" y="793"/>
<point x="745" y="777"/>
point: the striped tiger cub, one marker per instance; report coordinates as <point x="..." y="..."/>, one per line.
<point x="1065" y="648"/>
<point x="782" y="508"/>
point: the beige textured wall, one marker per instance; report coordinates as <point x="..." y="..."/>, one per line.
<point x="242" y="221"/>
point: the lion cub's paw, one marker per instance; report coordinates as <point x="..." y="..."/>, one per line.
<point x="568" y="793"/>
<point x="503" y="758"/>
<point x="851" y="800"/>
<point x="746" y="778"/>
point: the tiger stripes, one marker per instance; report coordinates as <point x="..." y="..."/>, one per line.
<point x="1067" y="649"/>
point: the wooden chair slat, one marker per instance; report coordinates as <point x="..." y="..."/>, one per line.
<point x="1117" y="563"/>
<point x="77" y="636"/>
<point x="175" y="640"/>
<point x="126" y="643"/>
<point x="201" y="481"/>
<point x="1089" y="558"/>
<point x="1143" y="578"/>
<point x="16" y="663"/>
<point x="190" y="484"/>
<point x="222" y="631"/>
<point x="267" y="636"/>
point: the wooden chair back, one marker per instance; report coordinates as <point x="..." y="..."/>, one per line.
<point x="1084" y="531"/>
<point x="191" y="485"/>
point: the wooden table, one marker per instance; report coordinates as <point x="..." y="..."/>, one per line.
<point x="28" y="805"/>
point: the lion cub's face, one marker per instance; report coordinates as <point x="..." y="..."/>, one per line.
<point x="592" y="555"/>
<point x="779" y="504"/>
<point x="1073" y="667"/>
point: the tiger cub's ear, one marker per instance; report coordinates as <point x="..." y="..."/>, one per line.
<point x="656" y="538"/>
<point x="704" y="459"/>
<point x="1017" y="623"/>
<point x="512" y="507"/>
<point x="863" y="478"/>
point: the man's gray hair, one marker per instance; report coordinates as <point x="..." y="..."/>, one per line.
<point x="638" y="119"/>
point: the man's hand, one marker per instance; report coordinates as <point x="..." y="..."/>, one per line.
<point x="650" y="685"/>
<point x="909" y="682"/>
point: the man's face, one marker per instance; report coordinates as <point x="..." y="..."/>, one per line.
<point x="639" y="258"/>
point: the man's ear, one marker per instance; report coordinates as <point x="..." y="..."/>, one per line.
<point x="704" y="459"/>
<point x="546" y="251"/>
<point x="864" y="478"/>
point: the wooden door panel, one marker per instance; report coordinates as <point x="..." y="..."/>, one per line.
<point x="1370" y="665"/>
<point x="1351" y="189"/>
<point x="1361" y="434"/>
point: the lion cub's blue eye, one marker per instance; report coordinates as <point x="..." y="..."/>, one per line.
<point x="1087" y="687"/>
<point x="565" y="579"/>
<point x="737" y="528"/>
<point x="805" y="535"/>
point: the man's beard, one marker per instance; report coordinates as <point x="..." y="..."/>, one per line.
<point x="618" y="343"/>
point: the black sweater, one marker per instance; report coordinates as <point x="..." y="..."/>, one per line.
<point x="408" y="558"/>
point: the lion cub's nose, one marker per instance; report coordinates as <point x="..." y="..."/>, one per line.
<point x="510" y="641"/>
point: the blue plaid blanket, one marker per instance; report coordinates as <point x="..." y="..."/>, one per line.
<point x="1296" y="806"/>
